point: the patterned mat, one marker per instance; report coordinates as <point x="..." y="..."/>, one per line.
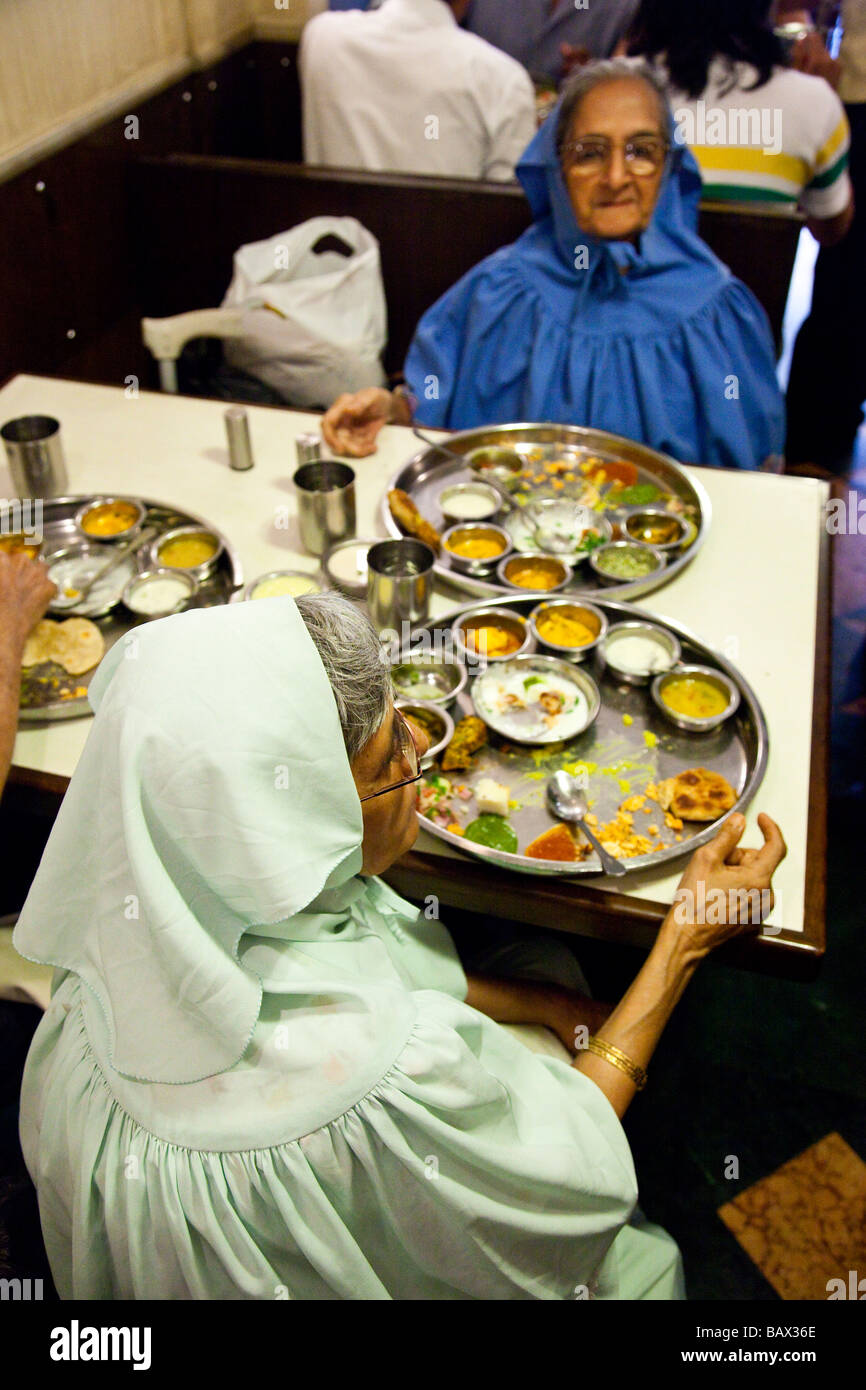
<point x="805" y="1225"/>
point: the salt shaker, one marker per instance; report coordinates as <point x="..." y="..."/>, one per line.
<point x="238" y="432"/>
<point x="309" y="448"/>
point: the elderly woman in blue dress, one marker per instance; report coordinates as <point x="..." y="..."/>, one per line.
<point x="262" y="1073"/>
<point x="610" y="311"/>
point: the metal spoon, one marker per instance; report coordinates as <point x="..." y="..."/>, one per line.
<point x="567" y="800"/>
<point x="116" y="559"/>
<point x="507" y="499"/>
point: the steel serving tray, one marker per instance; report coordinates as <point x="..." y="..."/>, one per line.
<point x="619" y="758"/>
<point x="60" y="531"/>
<point x="425" y="475"/>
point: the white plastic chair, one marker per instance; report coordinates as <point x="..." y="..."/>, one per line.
<point x="166" y="337"/>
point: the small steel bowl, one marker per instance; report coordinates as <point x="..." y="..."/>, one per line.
<point x="665" y="639"/>
<point x="18" y="543"/>
<point x="505" y="464"/>
<point x="249" y="590"/>
<point x="449" y="495"/>
<point x="94" y="504"/>
<point x="585" y="612"/>
<point x="603" y="550"/>
<point x="433" y="711"/>
<point x="480" y="529"/>
<point x="685" y="721"/>
<point x="574" y="514"/>
<point x="202" y="571"/>
<point x="438" y="679"/>
<point x="640" y="517"/>
<point x="352" y="588"/>
<point x="512" y="563"/>
<point x="497" y="617"/>
<point x="144" y="577"/>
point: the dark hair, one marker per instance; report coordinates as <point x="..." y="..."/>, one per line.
<point x="687" y="36"/>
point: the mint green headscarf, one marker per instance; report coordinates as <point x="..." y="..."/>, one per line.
<point x="211" y="822"/>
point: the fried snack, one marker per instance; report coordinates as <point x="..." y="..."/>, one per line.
<point x="76" y="644"/>
<point x="700" y="794"/>
<point x="662" y="792"/>
<point x="407" y="515"/>
<point x="469" y="735"/>
<point x="556" y="843"/>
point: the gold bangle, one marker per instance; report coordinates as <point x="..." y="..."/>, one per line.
<point x="616" y="1058"/>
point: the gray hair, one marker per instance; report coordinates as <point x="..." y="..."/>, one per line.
<point x="593" y="75"/>
<point x="352" y="657"/>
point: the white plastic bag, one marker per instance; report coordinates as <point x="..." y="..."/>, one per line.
<point x="314" y="322"/>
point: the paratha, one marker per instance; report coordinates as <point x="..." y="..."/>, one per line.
<point x="76" y="644"/>
<point x="696" y="794"/>
<point x="37" y="648"/>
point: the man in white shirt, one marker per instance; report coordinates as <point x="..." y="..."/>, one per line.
<point x="404" y="89"/>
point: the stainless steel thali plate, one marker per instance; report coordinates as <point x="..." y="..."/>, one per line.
<point x="428" y="472"/>
<point x="629" y="745"/>
<point x="59" y="531"/>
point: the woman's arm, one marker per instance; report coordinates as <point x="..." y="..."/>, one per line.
<point x="638" y="1021"/>
<point x="25" y="590"/>
<point x="718" y="875"/>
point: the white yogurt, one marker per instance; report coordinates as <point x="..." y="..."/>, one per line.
<point x="159" y="595"/>
<point x="349" y="564"/>
<point x="471" y="505"/>
<point x="638" y="655"/>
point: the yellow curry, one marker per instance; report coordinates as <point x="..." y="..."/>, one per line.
<point x="476" y="547"/>
<point x="110" y="519"/>
<point x="535" y="574"/>
<point x="187" y="552"/>
<point x="565" y="629"/>
<point x="490" y="640"/>
<point x="694" y="697"/>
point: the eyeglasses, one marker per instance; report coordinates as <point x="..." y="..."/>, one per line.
<point x="644" y="155"/>
<point x="409" y="754"/>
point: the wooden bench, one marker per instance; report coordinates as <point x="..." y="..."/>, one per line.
<point x="191" y="213"/>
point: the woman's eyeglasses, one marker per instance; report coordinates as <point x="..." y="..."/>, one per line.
<point x="644" y="155"/>
<point x="408" y="753"/>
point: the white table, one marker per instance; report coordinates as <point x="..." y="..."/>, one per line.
<point x="752" y="593"/>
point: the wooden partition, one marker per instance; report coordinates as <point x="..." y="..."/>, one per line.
<point x="192" y="213"/>
<point x="69" y="293"/>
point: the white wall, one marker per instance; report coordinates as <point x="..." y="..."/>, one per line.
<point x="68" y="65"/>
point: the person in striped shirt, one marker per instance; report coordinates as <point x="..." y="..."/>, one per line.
<point x="760" y="131"/>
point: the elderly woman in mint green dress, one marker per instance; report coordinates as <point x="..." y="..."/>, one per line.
<point x="265" y="1075"/>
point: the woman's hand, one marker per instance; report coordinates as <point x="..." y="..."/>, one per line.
<point x="25" y="592"/>
<point x="726" y="891"/>
<point x="352" y="424"/>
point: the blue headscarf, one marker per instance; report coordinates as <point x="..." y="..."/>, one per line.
<point x="658" y="342"/>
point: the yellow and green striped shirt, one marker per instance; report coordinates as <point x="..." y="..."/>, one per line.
<point x="786" y="141"/>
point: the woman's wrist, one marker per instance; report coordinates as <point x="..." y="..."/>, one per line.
<point x="680" y="943"/>
<point x="12" y="643"/>
<point x="403" y="406"/>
